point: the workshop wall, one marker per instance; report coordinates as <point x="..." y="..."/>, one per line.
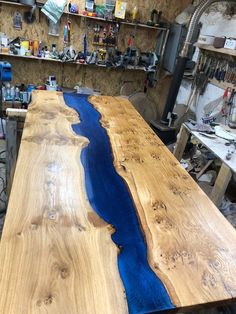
<point x="107" y="80"/>
<point x="219" y="20"/>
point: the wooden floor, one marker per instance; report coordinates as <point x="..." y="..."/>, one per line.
<point x="57" y="255"/>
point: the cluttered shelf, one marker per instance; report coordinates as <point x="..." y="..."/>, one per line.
<point x="123" y="22"/>
<point x="135" y="68"/>
<point x="218" y="68"/>
<point x="117" y="21"/>
<point x="224" y="51"/>
<point x="29" y="57"/>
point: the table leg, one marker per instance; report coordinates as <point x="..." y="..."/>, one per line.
<point x="181" y="142"/>
<point x="221" y="184"/>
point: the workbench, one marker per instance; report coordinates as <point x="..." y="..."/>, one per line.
<point x="102" y="218"/>
<point x="219" y="149"/>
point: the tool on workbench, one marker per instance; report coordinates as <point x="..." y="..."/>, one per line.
<point x="91" y="57"/>
<point x="149" y="61"/>
<point x="131" y="56"/>
<point x="105" y="35"/>
<point x="67" y="31"/>
<point x="118" y="59"/>
<point x="110" y="58"/>
<point x="231" y="149"/>
<point x="101" y="58"/>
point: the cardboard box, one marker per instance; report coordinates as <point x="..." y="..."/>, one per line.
<point x="206" y="39"/>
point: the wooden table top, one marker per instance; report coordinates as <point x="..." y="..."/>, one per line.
<point x="103" y="219"/>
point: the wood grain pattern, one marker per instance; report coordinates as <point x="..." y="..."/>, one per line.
<point x="56" y="254"/>
<point x="191" y="246"/>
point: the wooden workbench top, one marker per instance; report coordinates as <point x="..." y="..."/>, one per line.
<point x="103" y="219"/>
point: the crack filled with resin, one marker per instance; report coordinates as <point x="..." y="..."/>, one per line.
<point x="110" y="198"/>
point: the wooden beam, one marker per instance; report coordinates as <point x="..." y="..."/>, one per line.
<point x="182" y="140"/>
<point x="60" y="254"/>
<point x="221" y="184"/>
<point x="13" y="112"/>
<point x="201" y="172"/>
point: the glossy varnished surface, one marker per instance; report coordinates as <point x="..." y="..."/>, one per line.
<point x="56" y="254"/>
<point x="61" y="250"/>
<point x="191" y="246"/>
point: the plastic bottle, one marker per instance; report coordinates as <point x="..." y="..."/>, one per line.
<point x="12" y="93"/>
<point x="3" y="93"/>
<point x="17" y="93"/>
<point x="134" y="13"/>
<point x="8" y="91"/>
<point x="36" y="47"/>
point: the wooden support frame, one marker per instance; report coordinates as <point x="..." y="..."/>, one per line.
<point x="181" y="142"/>
<point x="221" y="184"/>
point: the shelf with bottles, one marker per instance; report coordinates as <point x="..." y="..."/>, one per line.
<point x="96" y="18"/>
<point x="122" y="22"/>
<point x="29" y="57"/>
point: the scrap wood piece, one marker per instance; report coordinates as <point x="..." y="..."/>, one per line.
<point x="60" y="250"/>
<point x="13" y="112"/>
<point x="201" y="172"/>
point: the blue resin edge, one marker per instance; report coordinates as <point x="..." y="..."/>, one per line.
<point x="110" y="198"/>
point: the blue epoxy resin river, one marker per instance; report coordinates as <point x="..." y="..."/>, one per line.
<point x="111" y="200"/>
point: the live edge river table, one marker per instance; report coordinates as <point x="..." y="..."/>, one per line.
<point x="103" y="219"/>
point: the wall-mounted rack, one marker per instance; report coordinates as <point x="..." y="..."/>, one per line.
<point x="135" y="68"/>
<point x="142" y="25"/>
<point x="221" y="51"/>
<point x="224" y="51"/>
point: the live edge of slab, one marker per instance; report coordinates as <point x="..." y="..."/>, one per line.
<point x="57" y="255"/>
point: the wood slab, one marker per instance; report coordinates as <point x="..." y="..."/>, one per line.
<point x="64" y="246"/>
